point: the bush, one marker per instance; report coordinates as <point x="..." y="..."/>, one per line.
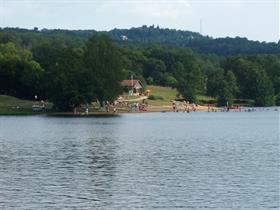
<point x="155" y="97"/>
<point x="277" y="100"/>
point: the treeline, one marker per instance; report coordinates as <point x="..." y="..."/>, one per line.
<point x="65" y="75"/>
<point x="226" y="78"/>
<point x="142" y="37"/>
<point x="147" y="35"/>
<point x="70" y="69"/>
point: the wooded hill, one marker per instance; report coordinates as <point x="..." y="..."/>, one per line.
<point x="73" y="67"/>
<point x="145" y="36"/>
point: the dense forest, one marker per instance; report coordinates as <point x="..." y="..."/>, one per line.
<point x="74" y="67"/>
<point x="143" y="37"/>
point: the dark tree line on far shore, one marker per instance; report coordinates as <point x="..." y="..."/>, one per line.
<point x="72" y="70"/>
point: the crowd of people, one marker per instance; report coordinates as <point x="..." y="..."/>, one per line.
<point x="125" y="106"/>
<point x="184" y="106"/>
<point x="176" y="106"/>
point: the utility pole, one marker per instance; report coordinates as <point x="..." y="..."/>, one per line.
<point x="131" y="84"/>
<point x="200" y="28"/>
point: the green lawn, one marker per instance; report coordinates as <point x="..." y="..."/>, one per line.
<point x="202" y="99"/>
<point x="167" y="94"/>
<point x="14" y="106"/>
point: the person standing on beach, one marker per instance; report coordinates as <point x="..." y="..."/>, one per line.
<point x="185" y="106"/>
<point x="194" y="107"/>
<point x="174" y="106"/>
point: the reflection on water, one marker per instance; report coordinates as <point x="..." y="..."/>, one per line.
<point x="158" y="160"/>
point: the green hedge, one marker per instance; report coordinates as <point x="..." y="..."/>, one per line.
<point x="155" y="97"/>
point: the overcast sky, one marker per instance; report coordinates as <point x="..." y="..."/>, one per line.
<point x="254" y="19"/>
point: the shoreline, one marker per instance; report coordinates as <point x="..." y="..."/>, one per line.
<point x="151" y="109"/>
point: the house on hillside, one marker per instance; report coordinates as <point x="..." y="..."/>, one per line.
<point x="134" y="87"/>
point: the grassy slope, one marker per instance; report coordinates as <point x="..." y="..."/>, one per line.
<point x="166" y="93"/>
<point x="13" y="106"/>
<point x="169" y="94"/>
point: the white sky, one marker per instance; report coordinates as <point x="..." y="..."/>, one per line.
<point x="254" y="19"/>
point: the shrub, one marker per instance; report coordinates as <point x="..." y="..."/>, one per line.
<point x="277" y="100"/>
<point x="155" y="97"/>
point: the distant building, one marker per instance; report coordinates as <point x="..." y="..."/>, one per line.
<point x="124" y="37"/>
<point x="132" y="85"/>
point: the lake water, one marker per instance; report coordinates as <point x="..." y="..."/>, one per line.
<point x="141" y="161"/>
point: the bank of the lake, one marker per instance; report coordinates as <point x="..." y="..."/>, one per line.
<point x="161" y="102"/>
<point x="14" y="106"/>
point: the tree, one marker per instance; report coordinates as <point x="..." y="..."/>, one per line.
<point x="20" y="75"/>
<point x="189" y="77"/>
<point x="223" y="86"/>
<point x="102" y="60"/>
<point x="155" y="68"/>
<point x="214" y="82"/>
<point x="69" y="84"/>
<point x="30" y="80"/>
<point x="170" y="80"/>
<point x="271" y="65"/>
<point x="228" y="89"/>
<point x="10" y="68"/>
<point x="262" y="91"/>
<point x="253" y="80"/>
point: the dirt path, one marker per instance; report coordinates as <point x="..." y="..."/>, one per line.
<point x="136" y="99"/>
